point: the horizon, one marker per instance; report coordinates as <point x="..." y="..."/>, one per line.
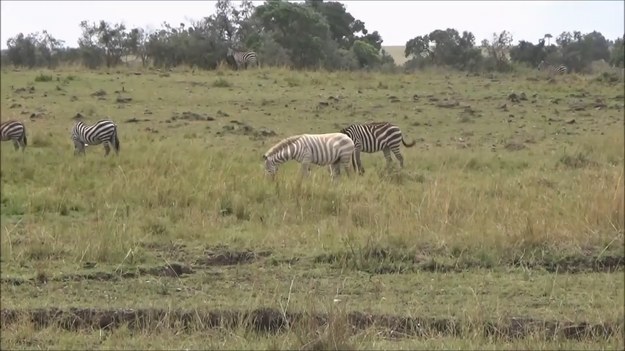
<point x="553" y="17"/>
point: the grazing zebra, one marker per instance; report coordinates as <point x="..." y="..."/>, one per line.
<point x="375" y="136"/>
<point x="243" y="58"/>
<point x="15" y="131"/>
<point x="102" y="132"/>
<point x="334" y="149"/>
<point x="552" y="69"/>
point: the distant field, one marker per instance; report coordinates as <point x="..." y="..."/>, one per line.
<point x="397" y="52"/>
<point x="504" y="230"/>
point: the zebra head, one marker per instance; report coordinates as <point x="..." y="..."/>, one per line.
<point x="542" y="64"/>
<point x="271" y="167"/>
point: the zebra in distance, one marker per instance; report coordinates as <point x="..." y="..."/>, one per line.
<point x="102" y="132"/>
<point x="373" y="137"/>
<point x="333" y="149"/>
<point x="242" y="58"/>
<point x="552" y="69"/>
<point x="14" y="131"/>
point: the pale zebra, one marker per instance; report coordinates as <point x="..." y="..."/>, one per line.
<point x="102" y="132"/>
<point x="333" y="149"/>
<point x="552" y="69"/>
<point x="373" y="137"/>
<point x="243" y="58"/>
<point x="14" y="131"/>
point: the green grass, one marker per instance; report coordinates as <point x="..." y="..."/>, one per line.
<point x="499" y="212"/>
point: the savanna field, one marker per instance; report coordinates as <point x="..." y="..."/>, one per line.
<point x="504" y="230"/>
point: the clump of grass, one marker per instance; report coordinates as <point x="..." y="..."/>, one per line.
<point x="222" y="83"/>
<point x="578" y="160"/>
<point x="43" y="78"/>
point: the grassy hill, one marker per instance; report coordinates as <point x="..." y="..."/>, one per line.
<point x="397" y="52"/>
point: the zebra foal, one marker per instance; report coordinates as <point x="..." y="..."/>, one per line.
<point x="373" y="137"/>
<point x="102" y="132"/>
<point x="14" y="131"/>
<point x="552" y="69"/>
<point x="242" y="58"/>
<point x="333" y="149"/>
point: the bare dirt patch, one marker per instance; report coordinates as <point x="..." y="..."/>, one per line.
<point x="267" y="320"/>
<point x="170" y="270"/>
<point x="229" y="258"/>
<point x="384" y="261"/>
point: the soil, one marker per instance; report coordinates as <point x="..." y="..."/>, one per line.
<point x="267" y="320"/>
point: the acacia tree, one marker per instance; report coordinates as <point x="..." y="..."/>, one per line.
<point x="34" y="49"/>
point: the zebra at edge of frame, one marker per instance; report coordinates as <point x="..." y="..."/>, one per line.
<point x="15" y="131"/>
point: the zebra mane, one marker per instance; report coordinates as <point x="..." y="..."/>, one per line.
<point x="281" y="145"/>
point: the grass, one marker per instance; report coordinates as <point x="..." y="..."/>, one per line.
<point x="500" y="212"/>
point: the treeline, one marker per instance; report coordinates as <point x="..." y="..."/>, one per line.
<point x="310" y="34"/>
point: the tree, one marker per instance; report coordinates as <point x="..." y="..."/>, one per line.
<point x="548" y="37"/>
<point x="617" y="56"/>
<point x="366" y="54"/>
<point x="135" y="43"/>
<point x="299" y="29"/>
<point x="102" y="39"/>
<point x="499" y="50"/>
<point x="34" y="50"/>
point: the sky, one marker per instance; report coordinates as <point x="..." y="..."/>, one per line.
<point x="396" y="21"/>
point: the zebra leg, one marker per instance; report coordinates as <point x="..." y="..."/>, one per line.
<point x="346" y="164"/>
<point x="357" y="162"/>
<point x="107" y="148"/>
<point x="399" y="157"/>
<point x="387" y="156"/>
<point x="16" y="144"/>
<point x="336" y="169"/>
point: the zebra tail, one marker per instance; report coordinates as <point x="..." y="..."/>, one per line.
<point x="408" y="144"/>
<point x="116" y="142"/>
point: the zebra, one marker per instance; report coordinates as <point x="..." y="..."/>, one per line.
<point x="15" y="131"/>
<point x="102" y="132"/>
<point x="373" y="137"/>
<point x="242" y="58"/>
<point x="333" y="149"/>
<point x="552" y="69"/>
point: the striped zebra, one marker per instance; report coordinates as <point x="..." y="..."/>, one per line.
<point x="15" y="131"/>
<point x="552" y="69"/>
<point x="102" y="132"/>
<point x="373" y="137"/>
<point x="333" y="149"/>
<point x="243" y="58"/>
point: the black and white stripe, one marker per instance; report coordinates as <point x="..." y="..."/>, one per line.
<point x="102" y="132"/>
<point x="552" y="69"/>
<point x="333" y="149"/>
<point x="373" y="137"/>
<point x="15" y="131"/>
<point x="243" y="58"/>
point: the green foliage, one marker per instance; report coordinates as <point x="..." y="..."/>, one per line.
<point x="221" y="83"/>
<point x="366" y="54"/>
<point x="43" y="78"/>
<point x="446" y="48"/>
<point x="617" y="56"/>
<point x="302" y="35"/>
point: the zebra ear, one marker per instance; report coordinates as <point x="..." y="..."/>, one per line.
<point x="264" y="157"/>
